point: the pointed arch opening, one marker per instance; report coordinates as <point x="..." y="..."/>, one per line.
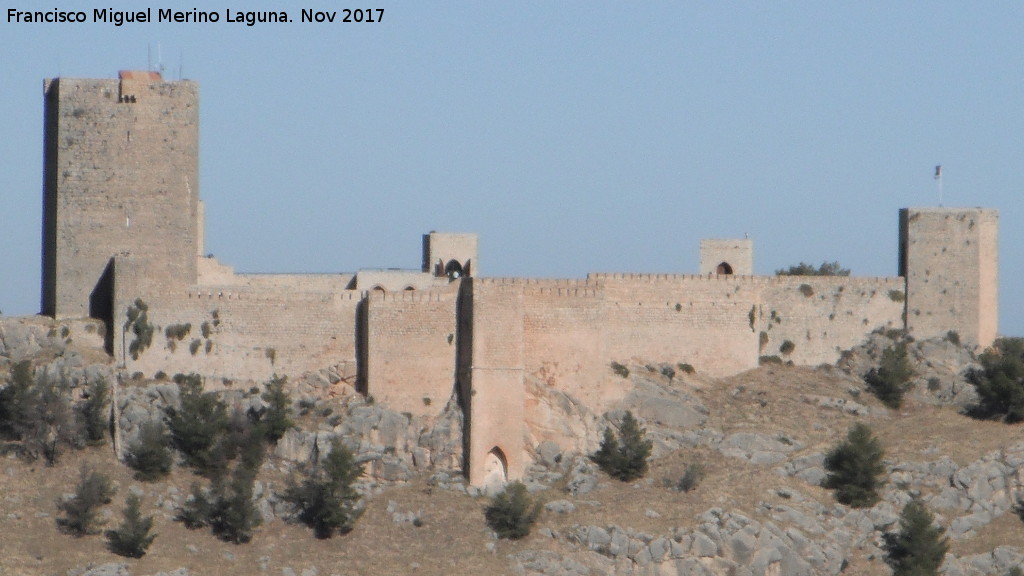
<point x="723" y="268"/>
<point x="495" y="469"/>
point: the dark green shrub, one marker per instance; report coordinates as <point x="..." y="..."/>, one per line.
<point x="685" y="367"/>
<point x="149" y="455"/>
<point x="771" y="359"/>
<point x="1000" y="381"/>
<point x="806" y="290"/>
<point x="692" y="476"/>
<point x="889" y="381"/>
<point x="668" y="372"/>
<point x="620" y="369"/>
<point x="896" y="295"/>
<point x="48" y="424"/>
<point x="15" y="399"/>
<point x="326" y="500"/>
<point x="625" y="457"/>
<point x="95" y="413"/>
<point x="953" y="337"/>
<point x="275" y="419"/>
<point x="787" y="347"/>
<point x="919" y="548"/>
<point x="233" y="515"/>
<point x="855" y="468"/>
<point x="511" y="513"/>
<point x="804" y="269"/>
<point x="138" y="324"/>
<point x="197" y="425"/>
<point x="133" y="537"/>
<point x="80" y="513"/>
<point x="197" y="509"/>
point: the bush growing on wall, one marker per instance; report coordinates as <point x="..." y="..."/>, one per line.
<point x="138" y="324"/>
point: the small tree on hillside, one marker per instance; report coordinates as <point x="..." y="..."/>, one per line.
<point x="511" y="514"/>
<point x="80" y="513"/>
<point x="889" y="381"/>
<point x="855" y="467"/>
<point x="198" y="424"/>
<point x="132" y="538"/>
<point x="625" y="457"/>
<point x="1000" y="381"/>
<point x="326" y="499"/>
<point x="919" y="548"/>
<point x="149" y="454"/>
<point x="275" y="419"/>
<point x="95" y="413"/>
<point x="14" y="399"/>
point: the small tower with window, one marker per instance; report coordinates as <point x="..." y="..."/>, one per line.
<point x="451" y="255"/>
<point x="730" y="256"/>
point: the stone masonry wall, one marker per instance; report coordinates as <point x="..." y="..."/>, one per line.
<point x="121" y="175"/>
<point x="824" y="315"/>
<point x="239" y="333"/>
<point x="411" y="349"/>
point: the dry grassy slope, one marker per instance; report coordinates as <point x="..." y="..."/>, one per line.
<point x="454" y="539"/>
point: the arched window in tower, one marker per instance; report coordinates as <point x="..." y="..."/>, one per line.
<point x="495" y="469"/>
<point x="453" y="269"/>
<point x="723" y="268"/>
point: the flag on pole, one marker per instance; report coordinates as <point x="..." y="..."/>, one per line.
<point x="938" y="172"/>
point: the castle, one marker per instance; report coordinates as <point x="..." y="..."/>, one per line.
<point x="123" y="242"/>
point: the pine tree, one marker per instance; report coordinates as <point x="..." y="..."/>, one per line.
<point x="511" y="514"/>
<point x="854" y="468"/>
<point x="132" y="538"/>
<point x="81" y="511"/>
<point x="275" y="419"/>
<point x="326" y="499"/>
<point x="198" y="424"/>
<point x="625" y="457"/>
<point x="149" y="454"/>
<point x="95" y="413"/>
<point x="919" y="548"/>
<point x="889" y="381"/>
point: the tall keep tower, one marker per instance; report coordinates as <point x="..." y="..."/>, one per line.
<point x="950" y="259"/>
<point x="121" y="176"/>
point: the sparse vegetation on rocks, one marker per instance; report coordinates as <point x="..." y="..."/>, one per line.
<point x="804" y="269"/>
<point x="325" y="500"/>
<point x="889" y="381"/>
<point x="624" y="457"/>
<point x="855" y="468"/>
<point x="1000" y="381"/>
<point x="919" y="547"/>
<point x="512" y="513"/>
<point x="80" y="513"/>
<point x="134" y="536"/>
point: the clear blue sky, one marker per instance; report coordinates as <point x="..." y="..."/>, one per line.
<point x="573" y="136"/>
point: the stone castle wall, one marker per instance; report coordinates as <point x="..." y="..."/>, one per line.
<point x="122" y="222"/>
<point x="121" y="175"/>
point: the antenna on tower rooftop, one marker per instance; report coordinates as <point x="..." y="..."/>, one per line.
<point x="938" y="181"/>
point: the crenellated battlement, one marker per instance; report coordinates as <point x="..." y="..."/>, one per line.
<point x="123" y="229"/>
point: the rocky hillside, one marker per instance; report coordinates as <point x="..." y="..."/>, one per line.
<point x="759" y="439"/>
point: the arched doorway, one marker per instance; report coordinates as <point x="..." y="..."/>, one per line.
<point x="453" y="269"/>
<point x="495" y="471"/>
<point x="723" y="268"/>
